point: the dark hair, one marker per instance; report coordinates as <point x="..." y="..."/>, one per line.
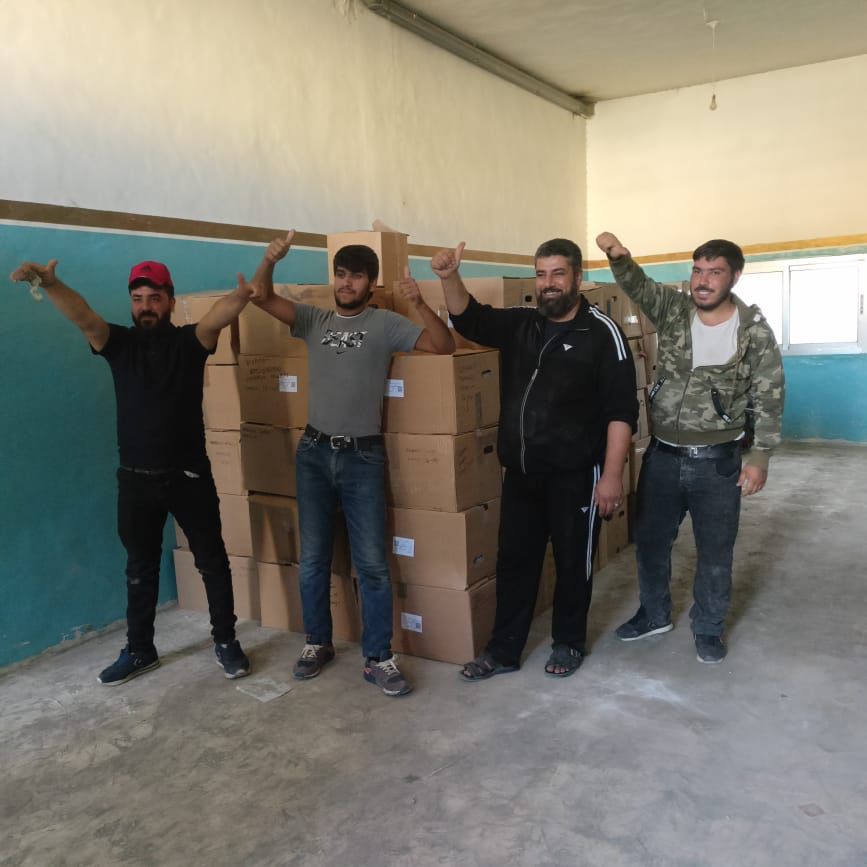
<point x="357" y="257"/>
<point x="720" y="248"/>
<point x="168" y="289"/>
<point x="561" y="247"/>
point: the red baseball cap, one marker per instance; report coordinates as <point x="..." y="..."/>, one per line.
<point x="154" y="274"/>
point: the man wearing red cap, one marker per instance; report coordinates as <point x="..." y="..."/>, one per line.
<point x="158" y="372"/>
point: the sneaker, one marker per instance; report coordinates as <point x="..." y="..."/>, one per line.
<point x="128" y="666"/>
<point x="312" y="660"/>
<point x="386" y="676"/>
<point x="710" y="648"/>
<point x="233" y="660"/>
<point x="640" y="626"/>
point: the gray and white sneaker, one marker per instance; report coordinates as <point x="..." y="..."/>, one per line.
<point x="386" y="675"/>
<point x="312" y="660"/>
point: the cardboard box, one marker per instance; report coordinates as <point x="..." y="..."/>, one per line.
<point x="643" y="422"/>
<point x="276" y="534"/>
<point x="281" y="602"/>
<point x="279" y="597"/>
<point x="390" y="247"/>
<point x="614" y="536"/>
<point x="268" y="458"/>
<point x="503" y="291"/>
<point x="443" y="549"/>
<point x="432" y="293"/>
<point x="639" y="447"/>
<point x="221" y="401"/>
<point x="622" y="309"/>
<point x="595" y="294"/>
<point x="259" y="333"/>
<point x="191" y="588"/>
<point x="448" y="625"/>
<point x="189" y="309"/>
<point x="276" y="537"/>
<point x="273" y="390"/>
<point x="636" y="347"/>
<point x="235" y="521"/>
<point x="224" y="453"/>
<point x="441" y="472"/>
<point x="442" y="393"/>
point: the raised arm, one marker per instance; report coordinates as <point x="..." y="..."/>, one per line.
<point x="66" y="300"/>
<point x="224" y="310"/>
<point x="263" y="282"/>
<point x="436" y="336"/>
<point x="610" y="245"/>
<point x="446" y="264"/>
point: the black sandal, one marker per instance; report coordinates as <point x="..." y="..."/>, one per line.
<point x="483" y="667"/>
<point x="566" y="657"/>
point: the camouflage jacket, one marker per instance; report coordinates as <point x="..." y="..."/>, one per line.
<point x="709" y="404"/>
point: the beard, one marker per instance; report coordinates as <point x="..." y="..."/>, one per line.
<point x="559" y="306"/>
<point x="708" y="306"/>
<point x="355" y="304"/>
<point x="150" y="322"/>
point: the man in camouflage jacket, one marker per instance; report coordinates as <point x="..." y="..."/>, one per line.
<point x="719" y="375"/>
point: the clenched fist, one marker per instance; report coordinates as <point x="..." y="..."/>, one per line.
<point x="610" y="245"/>
<point x="447" y="262"/>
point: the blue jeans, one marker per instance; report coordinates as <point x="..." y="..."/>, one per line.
<point x="670" y="486"/>
<point x="356" y="480"/>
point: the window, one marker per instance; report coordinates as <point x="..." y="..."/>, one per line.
<point x="814" y="306"/>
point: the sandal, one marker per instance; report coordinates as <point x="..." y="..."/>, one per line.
<point x="483" y="667"/>
<point x="565" y="657"/>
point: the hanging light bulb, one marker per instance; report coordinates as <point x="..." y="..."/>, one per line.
<point x="712" y="24"/>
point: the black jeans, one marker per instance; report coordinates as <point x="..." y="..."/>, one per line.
<point x="670" y="486"/>
<point x="534" y="509"/>
<point x="143" y="504"/>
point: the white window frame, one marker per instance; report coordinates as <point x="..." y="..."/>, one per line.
<point x="786" y="266"/>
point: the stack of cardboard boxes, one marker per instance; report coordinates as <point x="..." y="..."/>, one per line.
<point x="221" y="406"/>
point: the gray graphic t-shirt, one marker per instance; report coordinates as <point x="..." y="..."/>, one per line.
<point x="348" y="359"/>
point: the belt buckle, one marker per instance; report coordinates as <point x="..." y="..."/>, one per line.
<point x="339" y="441"/>
<point x="694" y="451"/>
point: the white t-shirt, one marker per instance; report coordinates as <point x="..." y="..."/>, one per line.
<point x="714" y="344"/>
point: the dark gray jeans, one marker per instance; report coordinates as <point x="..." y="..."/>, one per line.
<point x="670" y="486"/>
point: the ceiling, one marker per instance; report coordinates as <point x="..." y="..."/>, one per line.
<point x="605" y="49"/>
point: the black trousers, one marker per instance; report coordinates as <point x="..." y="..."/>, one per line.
<point x="143" y="504"/>
<point x="536" y="508"/>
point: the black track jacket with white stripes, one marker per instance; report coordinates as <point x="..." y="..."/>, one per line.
<point x="558" y="395"/>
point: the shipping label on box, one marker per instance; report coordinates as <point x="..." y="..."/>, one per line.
<point x="274" y="390"/>
<point x="430" y="394"/>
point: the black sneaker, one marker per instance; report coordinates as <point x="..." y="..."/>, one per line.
<point x="386" y="675"/>
<point x="313" y="658"/>
<point x="710" y="649"/>
<point x="128" y="666"/>
<point x="640" y="626"/>
<point x="233" y="660"/>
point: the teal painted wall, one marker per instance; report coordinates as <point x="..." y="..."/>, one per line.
<point x="826" y="395"/>
<point x="61" y="566"/>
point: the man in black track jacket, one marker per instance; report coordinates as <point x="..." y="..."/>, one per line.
<point x="568" y="411"/>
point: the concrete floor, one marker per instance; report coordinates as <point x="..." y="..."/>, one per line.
<point x="644" y="757"/>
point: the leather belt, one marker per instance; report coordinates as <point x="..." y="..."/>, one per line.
<point x="341" y="441"/>
<point x="710" y="453"/>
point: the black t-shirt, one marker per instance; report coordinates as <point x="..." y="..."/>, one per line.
<point x="158" y="380"/>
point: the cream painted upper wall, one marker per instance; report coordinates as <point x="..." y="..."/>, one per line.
<point x="278" y="113"/>
<point x="782" y="158"/>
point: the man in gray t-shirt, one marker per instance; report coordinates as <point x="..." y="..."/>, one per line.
<point x="341" y="457"/>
